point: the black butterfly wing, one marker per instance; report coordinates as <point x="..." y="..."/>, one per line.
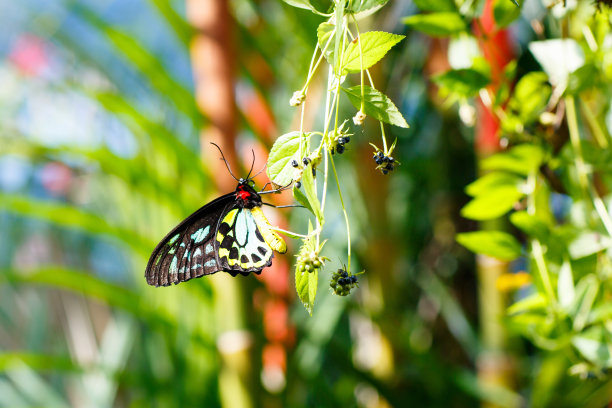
<point x="190" y="249"/>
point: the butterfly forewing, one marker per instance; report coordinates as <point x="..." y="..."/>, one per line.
<point x="190" y="249"/>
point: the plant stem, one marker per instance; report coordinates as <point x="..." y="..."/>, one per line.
<point x="346" y="220"/>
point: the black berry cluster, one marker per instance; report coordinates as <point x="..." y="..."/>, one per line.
<point x="342" y="283"/>
<point x="340" y="142"/>
<point x="385" y="163"/>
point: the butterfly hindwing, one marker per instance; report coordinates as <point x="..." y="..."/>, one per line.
<point x="189" y="250"/>
<point x="241" y="246"/>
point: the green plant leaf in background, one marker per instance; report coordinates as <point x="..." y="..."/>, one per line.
<point x="439" y="24"/>
<point x="376" y="104"/>
<point x="308" y="184"/>
<point x="436" y="5"/>
<point x="493" y="180"/>
<point x="496" y="244"/>
<point x="505" y="12"/>
<point x="523" y="159"/>
<point x="374" y="45"/>
<point x="530" y="97"/>
<point x="324" y="33"/>
<point x="595" y="344"/>
<point x="465" y="82"/>
<point x="492" y="203"/>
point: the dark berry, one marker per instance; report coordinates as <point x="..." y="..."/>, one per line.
<point x="340" y="149"/>
<point x="314" y="172"/>
<point x="385" y="159"/>
<point x="347" y="139"/>
<point x="306" y="161"/>
<point x="380" y="154"/>
<point x="389" y="167"/>
<point x="385" y="171"/>
<point x="353" y="279"/>
<point x="294" y="163"/>
<point x="332" y="150"/>
<point x="298" y="184"/>
<point x="391" y="159"/>
<point x="343" y="273"/>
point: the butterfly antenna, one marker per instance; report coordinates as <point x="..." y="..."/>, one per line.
<point x="226" y="163"/>
<point x="252" y="164"/>
<point x="260" y="171"/>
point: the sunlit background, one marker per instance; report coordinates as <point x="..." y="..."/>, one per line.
<point x="100" y="155"/>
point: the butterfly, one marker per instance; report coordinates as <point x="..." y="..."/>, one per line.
<point x="229" y="234"/>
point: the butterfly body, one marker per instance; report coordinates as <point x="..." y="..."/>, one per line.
<point x="229" y="234"/>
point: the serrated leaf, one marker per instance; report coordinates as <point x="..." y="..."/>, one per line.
<point x="496" y="244"/>
<point x="376" y="104"/>
<point x="440" y="24"/>
<point x="492" y="204"/>
<point x="374" y="45"/>
<point x="306" y="287"/>
<point x="492" y="180"/>
<point x="465" y="82"/>
<point x="285" y="149"/>
<point x="522" y="159"/>
<point x="311" y="193"/>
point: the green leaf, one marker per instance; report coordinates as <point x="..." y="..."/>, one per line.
<point x="374" y="45"/>
<point x="311" y="193"/>
<point x="436" y="5"/>
<point x="306" y="282"/>
<point x="285" y="149"/>
<point x="530" y="96"/>
<point x="376" y="104"/>
<point x="588" y="243"/>
<point x="363" y="8"/>
<point x="531" y="225"/>
<point x="440" y="24"/>
<point x="492" y="204"/>
<point x="505" y="12"/>
<point x="558" y="58"/>
<point x="585" y="295"/>
<point x="536" y="302"/>
<point x="595" y="345"/>
<point x="301" y="198"/>
<point x="304" y="4"/>
<point x="493" y="180"/>
<point x="65" y="215"/>
<point x="465" y="82"/>
<point x="522" y="159"/>
<point x="582" y="79"/>
<point x="566" y="292"/>
<point x="324" y="33"/>
<point x="496" y="244"/>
